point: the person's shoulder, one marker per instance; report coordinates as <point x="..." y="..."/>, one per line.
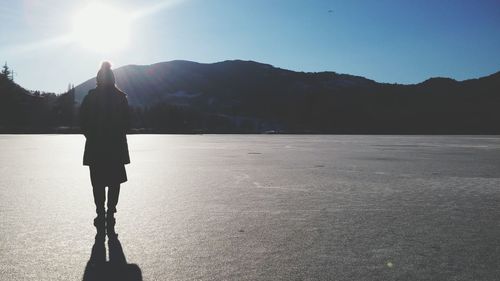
<point x="121" y="93"/>
<point x="90" y="94"/>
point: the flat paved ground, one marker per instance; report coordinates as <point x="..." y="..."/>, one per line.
<point x="264" y="207"/>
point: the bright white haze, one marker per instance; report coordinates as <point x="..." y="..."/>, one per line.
<point x="101" y="28"/>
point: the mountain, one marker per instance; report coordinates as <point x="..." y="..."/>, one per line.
<point x="23" y="111"/>
<point x="246" y="96"/>
<point x="224" y="82"/>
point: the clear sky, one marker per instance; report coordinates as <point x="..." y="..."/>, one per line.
<point x="403" y="41"/>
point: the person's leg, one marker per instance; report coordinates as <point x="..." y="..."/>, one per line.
<point x="99" y="199"/>
<point x="113" y="194"/>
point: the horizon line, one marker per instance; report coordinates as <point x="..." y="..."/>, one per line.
<point x="274" y="66"/>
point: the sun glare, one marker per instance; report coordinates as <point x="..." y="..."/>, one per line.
<point x="101" y="28"/>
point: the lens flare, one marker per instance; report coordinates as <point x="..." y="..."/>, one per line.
<point x="101" y="28"/>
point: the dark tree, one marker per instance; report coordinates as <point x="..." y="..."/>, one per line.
<point x="6" y="72"/>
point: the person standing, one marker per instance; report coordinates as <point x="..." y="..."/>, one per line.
<point x="104" y="122"/>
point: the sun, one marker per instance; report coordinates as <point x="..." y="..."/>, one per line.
<point x="101" y="28"/>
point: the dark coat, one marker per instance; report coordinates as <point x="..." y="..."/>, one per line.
<point x="104" y="122"/>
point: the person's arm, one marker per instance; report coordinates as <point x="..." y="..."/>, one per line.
<point x="84" y="116"/>
<point x="126" y="115"/>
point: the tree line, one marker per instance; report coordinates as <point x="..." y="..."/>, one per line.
<point x="24" y="111"/>
<point x="436" y="106"/>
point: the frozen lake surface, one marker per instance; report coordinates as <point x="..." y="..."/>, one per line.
<point x="264" y="207"/>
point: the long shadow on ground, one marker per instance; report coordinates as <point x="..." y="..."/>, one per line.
<point x="117" y="268"/>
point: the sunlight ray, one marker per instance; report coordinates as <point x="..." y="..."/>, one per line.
<point x="37" y="45"/>
<point x="167" y="4"/>
<point x="71" y="37"/>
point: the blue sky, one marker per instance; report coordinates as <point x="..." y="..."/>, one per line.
<point x="403" y="41"/>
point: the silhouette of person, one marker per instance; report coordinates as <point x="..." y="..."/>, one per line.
<point x="117" y="268"/>
<point x="104" y="122"/>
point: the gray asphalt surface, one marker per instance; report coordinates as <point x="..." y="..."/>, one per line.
<point x="270" y="207"/>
